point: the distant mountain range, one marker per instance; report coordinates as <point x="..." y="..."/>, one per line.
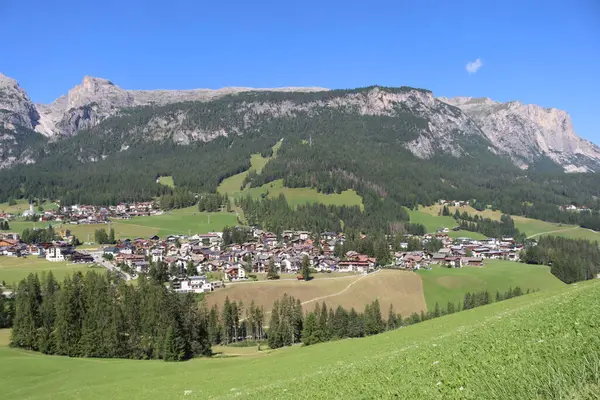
<point x="528" y="135"/>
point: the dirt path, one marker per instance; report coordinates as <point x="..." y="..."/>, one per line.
<point x="555" y="231"/>
<point x="340" y="292"/>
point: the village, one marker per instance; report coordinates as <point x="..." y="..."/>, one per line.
<point x="203" y="262"/>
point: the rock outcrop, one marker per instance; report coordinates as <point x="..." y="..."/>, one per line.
<point x="527" y="132"/>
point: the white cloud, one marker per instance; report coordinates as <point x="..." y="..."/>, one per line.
<point x="474" y="66"/>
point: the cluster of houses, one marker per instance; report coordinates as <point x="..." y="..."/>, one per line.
<point x="573" y="208"/>
<point x="456" y="253"/>
<point x="12" y="246"/>
<point x="89" y="214"/>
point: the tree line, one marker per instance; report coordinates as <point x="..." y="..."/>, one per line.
<point x="4" y="226"/>
<point x="98" y="315"/>
<point x="570" y="260"/>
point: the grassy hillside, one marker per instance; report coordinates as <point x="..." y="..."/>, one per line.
<point x="471" y="355"/>
<point x="531" y="227"/>
<point x="400" y="288"/>
<point x="13" y="269"/>
<point x="433" y="222"/>
<point x="167" y="181"/>
<point x="294" y="196"/>
<point x="450" y="284"/>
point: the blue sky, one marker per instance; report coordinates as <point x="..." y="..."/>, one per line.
<point x="543" y="52"/>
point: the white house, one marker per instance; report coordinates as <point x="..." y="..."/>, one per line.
<point x="55" y="254"/>
<point x="194" y="284"/>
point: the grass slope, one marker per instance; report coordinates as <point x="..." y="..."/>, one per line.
<point x="294" y="196"/>
<point x="400" y="288"/>
<point x="167" y="181"/>
<point x="433" y="222"/>
<point x="531" y="227"/>
<point x="442" y="284"/>
<point x="13" y="269"/>
<point x="539" y="346"/>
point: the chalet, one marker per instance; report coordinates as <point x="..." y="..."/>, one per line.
<point x="81" y="258"/>
<point x="472" y="261"/>
<point x="235" y="273"/>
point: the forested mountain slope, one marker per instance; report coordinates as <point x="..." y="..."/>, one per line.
<point x="394" y="146"/>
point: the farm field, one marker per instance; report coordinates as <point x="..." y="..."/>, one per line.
<point x="400" y="288"/>
<point x="433" y="222"/>
<point x="13" y="269"/>
<point x="471" y="354"/>
<point x="442" y="284"/>
<point x="166" y="180"/>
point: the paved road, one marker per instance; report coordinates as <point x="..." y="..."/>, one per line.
<point x="108" y="265"/>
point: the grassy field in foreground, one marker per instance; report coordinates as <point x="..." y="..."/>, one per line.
<point x="442" y="284"/>
<point x="13" y="269"/>
<point x="402" y="289"/>
<point x="540" y="346"/>
<point x="167" y="181"/>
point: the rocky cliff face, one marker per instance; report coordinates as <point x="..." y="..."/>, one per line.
<point x="16" y="109"/>
<point x="96" y="99"/>
<point x="527" y="132"/>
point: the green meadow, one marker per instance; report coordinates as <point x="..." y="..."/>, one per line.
<point x="166" y="180"/>
<point x="539" y="346"/>
<point x="442" y="284"/>
<point x="294" y="196"/>
<point x="13" y="269"/>
<point x="182" y="221"/>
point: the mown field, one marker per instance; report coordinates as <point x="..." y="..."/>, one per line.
<point x="540" y="346"/>
<point x="183" y="221"/>
<point x="442" y="284"/>
<point x="400" y="288"/>
<point x="13" y="269"/>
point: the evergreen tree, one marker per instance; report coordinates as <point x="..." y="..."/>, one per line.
<point x="274" y="334"/>
<point x="309" y="330"/>
<point x="111" y="236"/>
<point x="392" y="322"/>
<point x="450" y="308"/>
<point x="272" y="270"/>
<point x="305" y="268"/>
<point x="437" y="312"/>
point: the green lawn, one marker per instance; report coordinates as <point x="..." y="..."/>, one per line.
<point x="167" y="181"/>
<point x="22" y="205"/>
<point x="450" y="284"/>
<point x="13" y="269"/>
<point x="541" y="346"/>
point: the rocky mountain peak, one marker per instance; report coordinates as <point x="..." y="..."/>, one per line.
<point x="528" y="132"/>
<point x="16" y="109"/>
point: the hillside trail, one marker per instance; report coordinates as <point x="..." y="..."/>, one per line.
<point x="555" y="231"/>
<point x="340" y="292"/>
<point x="333" y="294"/>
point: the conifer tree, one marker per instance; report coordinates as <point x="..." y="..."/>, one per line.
<point x="305" y="268"/>
<point x="392" y="322"/>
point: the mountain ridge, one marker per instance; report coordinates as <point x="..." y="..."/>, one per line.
<point x="527" y="134"/>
